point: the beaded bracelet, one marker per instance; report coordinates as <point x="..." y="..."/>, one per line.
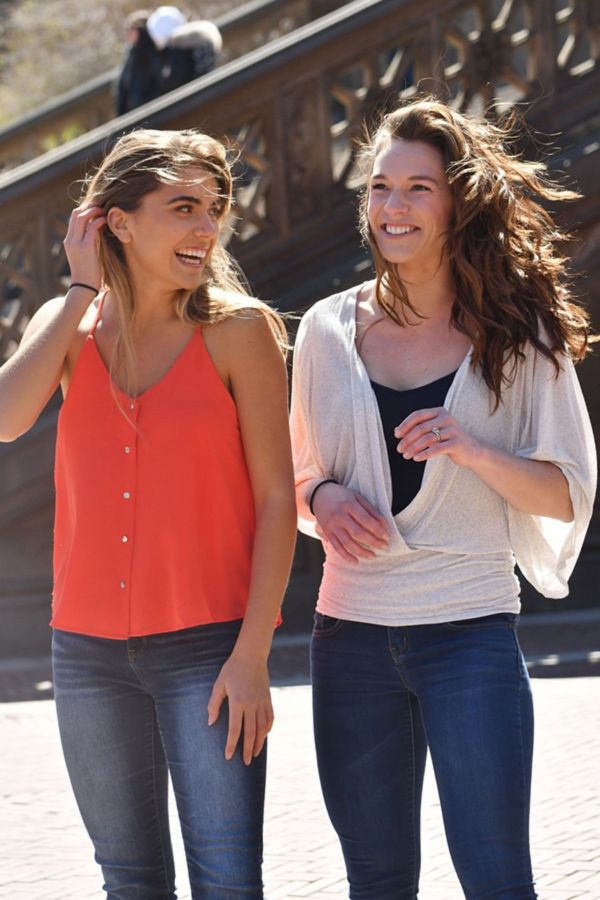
<point x="81" y="284"/>
<point x="315" y="489"/>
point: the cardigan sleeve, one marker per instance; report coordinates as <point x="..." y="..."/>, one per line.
<point x="555" y="428"/>
<point x="308" y="468"/>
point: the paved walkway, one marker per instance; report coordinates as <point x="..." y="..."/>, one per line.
<point x="46" y="855"/>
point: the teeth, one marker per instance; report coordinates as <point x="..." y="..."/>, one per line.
<point x="195" y="254"/>
<point x="399" y="229"/>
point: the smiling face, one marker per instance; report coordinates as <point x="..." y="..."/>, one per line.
<point x="410" y="206"/>
<point x="168" y="239"/>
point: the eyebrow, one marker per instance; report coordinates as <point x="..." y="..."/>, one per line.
<point x="187" y="198"/>
<point x="410" y="177"/>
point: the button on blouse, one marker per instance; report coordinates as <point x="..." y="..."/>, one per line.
<point x="154" y="509"/>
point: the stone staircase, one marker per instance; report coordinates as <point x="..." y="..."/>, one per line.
<point x="294" y="108"/>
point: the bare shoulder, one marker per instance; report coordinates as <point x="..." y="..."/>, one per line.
<point x="247" y="325"/>
<point x="244" y="327"/>
<point x="44" y="314"/>
<point x="50" y="310"/>
<point x="245" y="349"/>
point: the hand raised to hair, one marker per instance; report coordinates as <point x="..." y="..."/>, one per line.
<point x="81" y="244"/>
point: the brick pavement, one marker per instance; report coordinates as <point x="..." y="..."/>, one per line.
<point x="46" y="856"/>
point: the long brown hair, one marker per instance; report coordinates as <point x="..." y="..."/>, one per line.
<point x="501" y="246"/>
<point x="137" y="164"/>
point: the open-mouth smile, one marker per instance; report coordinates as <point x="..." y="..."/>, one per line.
<point x="192" y="256"/>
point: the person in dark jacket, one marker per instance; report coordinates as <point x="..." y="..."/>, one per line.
<point x="187" y="49"/>
<point x="140" y="78"/>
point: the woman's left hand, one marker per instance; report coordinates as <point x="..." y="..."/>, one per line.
<point x="428" y="433"/>
<point x="244" y="682"/>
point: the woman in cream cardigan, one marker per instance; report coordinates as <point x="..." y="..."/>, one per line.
<point x="440" y="436"/>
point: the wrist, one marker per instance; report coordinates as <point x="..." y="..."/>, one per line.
<point x="316" y="488"/>
<point x="251" y="655"/>
<point x="253" y="643"/>
<point x="480" y="457"/>
<point x="81" y="286"/>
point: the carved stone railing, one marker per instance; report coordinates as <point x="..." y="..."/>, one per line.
<point x="91" y="104"/>
<point x="294" y="108"/>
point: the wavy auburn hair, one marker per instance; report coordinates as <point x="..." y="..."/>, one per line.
<point x="138" y="164"/>
<point x="508" y="275"/>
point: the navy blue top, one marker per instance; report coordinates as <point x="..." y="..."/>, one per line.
<point x="394" y="407"/>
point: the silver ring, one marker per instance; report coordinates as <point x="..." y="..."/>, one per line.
<point x="437" y="434"/>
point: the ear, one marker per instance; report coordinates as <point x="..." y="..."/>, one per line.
<point x="117" y="221"/>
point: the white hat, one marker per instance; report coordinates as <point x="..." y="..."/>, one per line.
<point x="163" y="21"/>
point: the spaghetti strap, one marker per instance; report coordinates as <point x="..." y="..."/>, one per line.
<point x="98" y="314"/>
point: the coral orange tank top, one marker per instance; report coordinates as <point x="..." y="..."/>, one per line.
<point x="155" y="519"/>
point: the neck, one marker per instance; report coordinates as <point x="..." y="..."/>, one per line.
<point x="431" y="298"/>
<point x="151" y="310"/>
<point x="153" y="300"/>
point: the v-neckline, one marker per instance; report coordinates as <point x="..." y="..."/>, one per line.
<point x="415" y="504"/>
<point x="157" y="384"/>
<point x="354" y="333"/>
<point x="352" y="321"/>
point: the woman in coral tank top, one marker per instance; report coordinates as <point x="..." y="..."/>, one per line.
<point x="175" y="517"/>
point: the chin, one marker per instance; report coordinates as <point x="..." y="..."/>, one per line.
<point x="400" y="259"/>
<point x="193" y="282"/>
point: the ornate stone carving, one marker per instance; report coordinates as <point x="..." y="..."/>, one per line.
<point x="486" y="54"/>
<point x="302" y="151"/>
<point x="359" y="91"/>
<point x="18" y="299"/>
<point x="252" y="171"/>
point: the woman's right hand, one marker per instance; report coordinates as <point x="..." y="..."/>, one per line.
<point x="31" y="375"/>
<point x="348" y="523"/>
<point x="81" y="244"/>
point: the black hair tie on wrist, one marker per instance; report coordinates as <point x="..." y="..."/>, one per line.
<point x="315" y="489"/>
<point x="81" y="284"/>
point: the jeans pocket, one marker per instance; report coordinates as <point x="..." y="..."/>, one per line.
<point x="325" y="625"/>
<point x="495" y="620"/>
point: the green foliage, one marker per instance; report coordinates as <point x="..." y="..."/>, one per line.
<point x="50" y="46"/>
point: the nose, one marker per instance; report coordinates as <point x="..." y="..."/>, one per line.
<point x="206" y="225"/>
<point x="397" y="200"/>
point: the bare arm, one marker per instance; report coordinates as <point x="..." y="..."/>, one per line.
<point x="532" y="486"/>
<point x="30" y="377"/>
<point x="259" y="387"/>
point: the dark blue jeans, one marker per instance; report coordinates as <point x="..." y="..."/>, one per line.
<point x="131" y="711"/>
<point x="381" y="697"/>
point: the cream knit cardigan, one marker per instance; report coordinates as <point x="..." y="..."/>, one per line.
<point x="453" y="548"/>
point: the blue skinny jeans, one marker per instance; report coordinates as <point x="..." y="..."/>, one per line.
<point x="129" y="713"/>
<point x="381" y="697"/>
